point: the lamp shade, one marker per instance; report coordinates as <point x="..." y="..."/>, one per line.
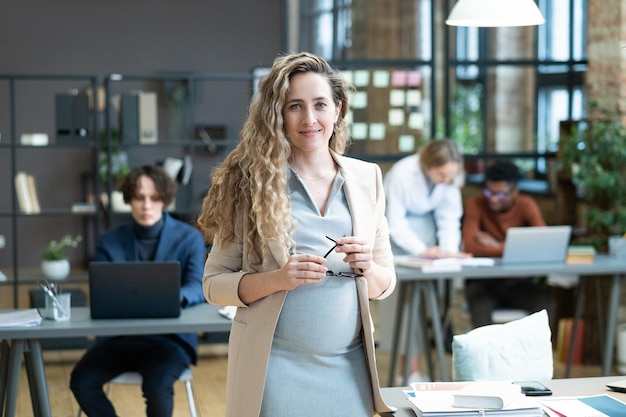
<point x="495" y="13"/>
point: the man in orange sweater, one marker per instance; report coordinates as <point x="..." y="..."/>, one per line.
<point x="485" y="222"/>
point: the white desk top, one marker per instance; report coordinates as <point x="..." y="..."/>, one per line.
<point x="195" y="319"/>
<point x="602" y="265"/>
<point x="560" y="387"/>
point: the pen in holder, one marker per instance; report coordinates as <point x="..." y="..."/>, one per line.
<point x="57" y="305"/>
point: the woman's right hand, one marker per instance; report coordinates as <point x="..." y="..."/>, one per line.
<point x="434" y="252"/>
<point x="301" y="269"/>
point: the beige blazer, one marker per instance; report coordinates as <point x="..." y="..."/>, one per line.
<point x="253" y="326"/>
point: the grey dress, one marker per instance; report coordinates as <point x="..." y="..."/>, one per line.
<point x="317" y="365"/>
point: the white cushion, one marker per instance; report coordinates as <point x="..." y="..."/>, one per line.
<point x="517" y="350"/>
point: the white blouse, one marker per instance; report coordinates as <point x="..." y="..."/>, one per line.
<point x="421" y="214"/>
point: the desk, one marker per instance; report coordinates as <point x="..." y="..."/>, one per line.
<point x="25" y="341"/>
<point x="560" y="387"/>
<point x="412" y="282"/>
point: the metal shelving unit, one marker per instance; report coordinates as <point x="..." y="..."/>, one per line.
<point x="25" y="100"/>
<point x="190" y="108"/>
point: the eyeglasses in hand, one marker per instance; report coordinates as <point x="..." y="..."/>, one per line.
<point x="339" y="274"/>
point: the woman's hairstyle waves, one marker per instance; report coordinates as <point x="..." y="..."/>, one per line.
<point x="252" y="178"/>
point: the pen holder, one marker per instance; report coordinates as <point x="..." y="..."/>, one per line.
<point x="617" y="246"/>
<point x="52" y="310"/>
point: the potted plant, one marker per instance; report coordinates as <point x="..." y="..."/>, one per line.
<point x="113" y="151"/>
<point x="113" y="166"/>
<point x="593" y="155"/>
<point x="55" y="264"/>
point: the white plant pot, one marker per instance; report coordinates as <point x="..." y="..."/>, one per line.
<point x="117" y="202"/>
<point x="56" y="269"/>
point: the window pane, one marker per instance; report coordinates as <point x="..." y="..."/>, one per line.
<point x="553" y="108"/>
<point x="579" y="29"/>
<point x="316" y="27"/>
<point x="467" y="43"/>
<point x="391" y="29"/>
<point x="553" y="35"/>
<point x="466" y="117"/>
<point x="509" y="93"/>
<point x="565" y="19"/>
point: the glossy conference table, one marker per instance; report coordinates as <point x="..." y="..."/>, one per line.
<point x="412" y="283"/>
<point x="18" y="342"/>
<point x="578" y="387"/>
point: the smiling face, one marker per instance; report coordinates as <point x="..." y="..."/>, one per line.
<point x="310" y="112"/>
<point x="146" y="204"/>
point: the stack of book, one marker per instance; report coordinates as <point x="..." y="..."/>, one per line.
<point x="564" y="333"/>
<point x="428" y="265"/>
<point x="27" y="193"/>
<point x="465" y="399"/>
<point x="580" y="255"/>
<point x="20" y="318"/>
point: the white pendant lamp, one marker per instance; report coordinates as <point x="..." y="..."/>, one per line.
<point x="495" y="13"/>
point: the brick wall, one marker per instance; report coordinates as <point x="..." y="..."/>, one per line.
<point x="606" y="76"/>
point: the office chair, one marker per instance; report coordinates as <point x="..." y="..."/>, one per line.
<point x="519" y="350"/>
<point x="134" y="378"/>
<point x="505" y="315"/>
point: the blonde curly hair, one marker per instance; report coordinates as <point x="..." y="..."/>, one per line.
<point x="252" y="178"/>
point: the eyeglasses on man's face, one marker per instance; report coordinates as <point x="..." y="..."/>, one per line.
<point x="339" y="274"/>
<point x="500" y="195"/>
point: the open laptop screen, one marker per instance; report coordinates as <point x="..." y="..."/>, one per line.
<point x="134" y="289"/>
<point x="547" y="244"/>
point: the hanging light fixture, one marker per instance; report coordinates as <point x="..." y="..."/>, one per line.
<point x="495" y="13"/>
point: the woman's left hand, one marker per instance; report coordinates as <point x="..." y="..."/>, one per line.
<point x="358" y="252"/>
<point x="360" y="256"/>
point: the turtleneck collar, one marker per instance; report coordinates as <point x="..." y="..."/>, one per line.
<point x="149" y="232"/>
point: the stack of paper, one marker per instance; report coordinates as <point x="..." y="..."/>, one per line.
<point x="20" y="318"/>
<point x="429" y="265"/>
<point x="442" y="264"/>
<point x="601" y="405"/>
<point x="438" y="400"/>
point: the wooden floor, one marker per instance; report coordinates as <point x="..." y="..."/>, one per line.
<point x="209" y="383"/>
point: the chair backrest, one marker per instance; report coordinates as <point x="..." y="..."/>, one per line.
<point x="518" y="350"/>
<point x="505" y="315"/>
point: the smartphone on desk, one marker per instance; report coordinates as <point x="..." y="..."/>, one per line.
<point x="533" y="388"/>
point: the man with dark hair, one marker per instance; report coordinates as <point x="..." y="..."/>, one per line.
<point x="160" y="359"/>
<point x="486" y="220"/>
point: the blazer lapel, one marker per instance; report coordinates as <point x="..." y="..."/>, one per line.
<point x="358" y="195"/>
<point x="164" y="249"/>
<point x="129" y="243"/>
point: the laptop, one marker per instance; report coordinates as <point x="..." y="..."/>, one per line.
<point x="129" y="290"/>
<point x="546" y="244"/>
